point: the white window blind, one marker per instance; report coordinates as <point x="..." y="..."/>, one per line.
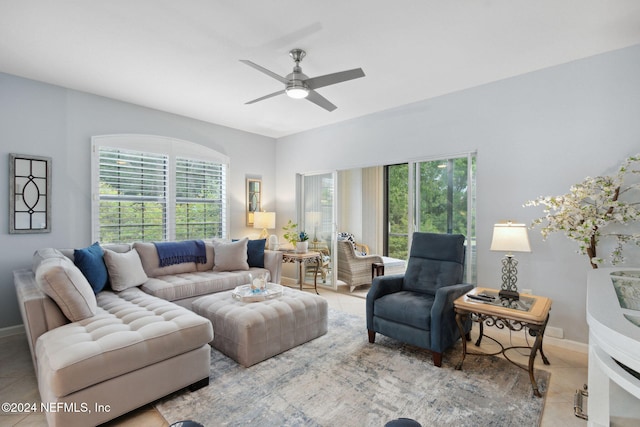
<point x="133" y="195"/>
<point x="154" y="195"/>
<point x="200" y="192"/>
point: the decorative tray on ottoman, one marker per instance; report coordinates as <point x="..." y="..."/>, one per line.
<point x="244" y="293"/>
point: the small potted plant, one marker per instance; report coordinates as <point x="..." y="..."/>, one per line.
<point x="302" y="245"/>
<point x="291" y="232"/>
<point x="299" y="240"/>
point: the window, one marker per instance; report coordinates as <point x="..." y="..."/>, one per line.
<point x="200" y="194"/>
<point x="436" y="196"/>
<point x="397" y="211"/>
<point x="132" y="197"/>
<point x="144" y="191"/>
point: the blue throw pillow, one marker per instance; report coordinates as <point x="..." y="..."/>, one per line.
<point x="91" y="263"/>
<point x="255" y="253"/>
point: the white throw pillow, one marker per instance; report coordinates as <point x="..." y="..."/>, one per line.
<point x="230" y="256"/>
<point x="42" y="254"/>
<point x="63" y="282"/>
<point x="125" y="269"/>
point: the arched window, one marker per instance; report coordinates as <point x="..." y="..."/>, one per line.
<point x="152" y="188"/>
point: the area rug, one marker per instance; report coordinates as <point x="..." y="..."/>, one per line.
<point x="340" y="379"/>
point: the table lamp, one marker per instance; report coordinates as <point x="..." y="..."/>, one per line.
<point x="509" y="237"/>
<point x="264" y="220"/>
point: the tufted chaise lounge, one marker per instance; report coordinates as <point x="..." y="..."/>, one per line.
<point x="137" y="348"/>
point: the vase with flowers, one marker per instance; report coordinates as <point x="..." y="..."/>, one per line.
<point x="604" y="206"/>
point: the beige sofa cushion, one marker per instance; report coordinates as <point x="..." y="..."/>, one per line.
<point x="125" y="269"/>
<point x="61" y="280"/>
<point x="151" y="262"/>
<point x="187" y="285"/>
<point x="230" y="256"/>
<point x="130" y="331"/>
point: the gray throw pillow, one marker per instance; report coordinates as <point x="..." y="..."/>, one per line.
<point x="64" y="283"/>
<point x="42" y="254"/>
<point x="230" y="256"/>
<point x="125" y="269"/>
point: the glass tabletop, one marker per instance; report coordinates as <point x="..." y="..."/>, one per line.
<point x="524" y="303"/>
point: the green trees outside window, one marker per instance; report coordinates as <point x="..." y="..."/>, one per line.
<point x="433" y="195"/>
<point x="397" y="186"/>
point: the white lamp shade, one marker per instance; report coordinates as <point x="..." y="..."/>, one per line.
<point x="510" y="237"/>
<point x="264" y="220"/>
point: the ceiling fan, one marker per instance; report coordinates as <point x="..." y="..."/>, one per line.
<point x="298" y="85"/>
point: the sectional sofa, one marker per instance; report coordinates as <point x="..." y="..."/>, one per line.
<point x="101" y="351"/>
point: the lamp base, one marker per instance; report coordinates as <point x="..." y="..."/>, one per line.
<point x="509" y="294"/>
<point x="264" y="234"/>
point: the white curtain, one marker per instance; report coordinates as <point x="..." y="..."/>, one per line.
<point x="318" y="210"/>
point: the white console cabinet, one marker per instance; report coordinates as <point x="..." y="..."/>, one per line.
<point x="613" y="315"/>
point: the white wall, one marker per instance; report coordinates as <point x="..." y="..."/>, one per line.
<point x="41" y="119"/>
<point x="535" y="134"/>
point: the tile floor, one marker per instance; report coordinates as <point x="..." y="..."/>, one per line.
<point x="17" y="381"/>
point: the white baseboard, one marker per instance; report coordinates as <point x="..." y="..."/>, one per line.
<point x="567" y="344"/>
<point x="11" y="330"/>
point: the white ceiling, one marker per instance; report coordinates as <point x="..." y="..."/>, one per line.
<point x="183" y="56"/>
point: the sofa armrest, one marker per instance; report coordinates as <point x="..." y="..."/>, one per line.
<point x="273" y="263"/>
<point x="39" y="312"/>
<point x="443" y="318"/>
<point x="381" y="286"/>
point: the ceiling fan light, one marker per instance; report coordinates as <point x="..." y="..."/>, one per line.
<point x="297" y="90"/>
<point x="297" y="93"/>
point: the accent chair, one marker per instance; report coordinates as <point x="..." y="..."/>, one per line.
<point x="355" y="262"/>
<point x="353" y="268"/>
<point x="417" y="307"/>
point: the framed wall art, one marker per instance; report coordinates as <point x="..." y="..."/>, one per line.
<point x="29" y="194"/>
<point x="254" y="198"/>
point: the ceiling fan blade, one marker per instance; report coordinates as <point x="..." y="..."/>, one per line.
<point x="280" y="92"/>
<point x="333" y="78"/>
<point x="264" y="70"/>
<point x="320" y="100"/>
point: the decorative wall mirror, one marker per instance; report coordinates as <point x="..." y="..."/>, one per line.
<point x="254" y="198"/>
<point x="29" y="194"/>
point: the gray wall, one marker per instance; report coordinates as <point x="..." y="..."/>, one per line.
<point x="535" y="134"/>
<point x="46" y="120"/>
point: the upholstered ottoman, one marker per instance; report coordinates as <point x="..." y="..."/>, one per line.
<point x="250" y="332"/>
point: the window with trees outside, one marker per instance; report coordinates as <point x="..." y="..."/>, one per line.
<point x="436" y="196"/>
<point x="144" y="191"/>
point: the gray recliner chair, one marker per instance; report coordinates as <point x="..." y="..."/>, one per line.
<point x="417" y="307"/>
